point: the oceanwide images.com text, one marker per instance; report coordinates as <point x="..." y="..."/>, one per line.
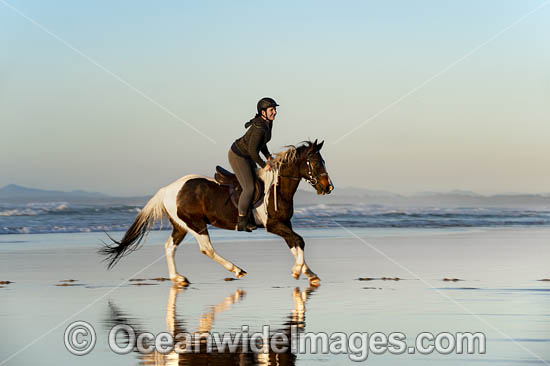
<point x="123" y="339"/>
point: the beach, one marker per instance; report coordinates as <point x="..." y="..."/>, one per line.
<point x="404" y="141"/>
<point x="493" y="286"/>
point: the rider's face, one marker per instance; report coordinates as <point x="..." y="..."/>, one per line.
<point x="270" y="113"/>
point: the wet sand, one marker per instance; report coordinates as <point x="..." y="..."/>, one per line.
<point x="480" y="281"/>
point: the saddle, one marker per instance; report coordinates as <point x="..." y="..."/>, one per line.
<point x="226" y="178"/>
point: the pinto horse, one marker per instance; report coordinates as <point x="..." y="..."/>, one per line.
<point x="193" y="202"/>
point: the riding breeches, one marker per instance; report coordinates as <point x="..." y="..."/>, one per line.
<point x="245" y="170"/>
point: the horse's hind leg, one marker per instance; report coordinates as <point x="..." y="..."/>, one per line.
<point x="170" y="249"/>
<point x="206" y="248"/>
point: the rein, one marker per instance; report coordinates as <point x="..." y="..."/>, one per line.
<point x="310" y="179"/>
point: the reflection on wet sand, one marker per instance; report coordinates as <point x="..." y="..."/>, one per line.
<point x="196" y="353"/>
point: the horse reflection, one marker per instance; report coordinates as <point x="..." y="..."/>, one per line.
<point x="197" y="353"/>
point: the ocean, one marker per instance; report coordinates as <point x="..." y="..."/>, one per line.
<point x="64" y="217"/>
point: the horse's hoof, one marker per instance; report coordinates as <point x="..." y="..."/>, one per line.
<point x="296" y="275"/>
<point x="240" y="274"/>
<point x="180" y="281"/>
<point x="315" y="281"/>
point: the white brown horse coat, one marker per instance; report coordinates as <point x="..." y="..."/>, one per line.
<point x="193" y="202"/>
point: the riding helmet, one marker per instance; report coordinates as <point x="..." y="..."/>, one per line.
<point x="265" y="103"/>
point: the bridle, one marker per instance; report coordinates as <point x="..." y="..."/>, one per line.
<point x="311" y="179"/>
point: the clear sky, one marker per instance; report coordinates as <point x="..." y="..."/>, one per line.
<point x="482" y="124"/>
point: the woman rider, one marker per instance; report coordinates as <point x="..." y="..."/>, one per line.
<point x="244" y="155"/>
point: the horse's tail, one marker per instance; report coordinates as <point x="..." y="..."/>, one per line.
<point x="143" y="223"/>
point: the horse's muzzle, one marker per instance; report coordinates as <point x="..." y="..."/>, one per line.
<point x="329" y="188"/>
<point x="326" y="186"/>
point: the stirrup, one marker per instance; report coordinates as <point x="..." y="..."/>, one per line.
<point x="242" y="224"/>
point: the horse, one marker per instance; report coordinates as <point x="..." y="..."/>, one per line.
<point x="193" y="202"/>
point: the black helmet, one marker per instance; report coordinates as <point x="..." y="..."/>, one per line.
<point x="265" y="103"/>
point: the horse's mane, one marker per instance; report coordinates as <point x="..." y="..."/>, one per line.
<point x="292" y="154"/>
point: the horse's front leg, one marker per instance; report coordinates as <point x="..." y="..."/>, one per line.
<point x="296" y="245"/>
<point x="298" y="254"/>
<point x="301" y="266"/>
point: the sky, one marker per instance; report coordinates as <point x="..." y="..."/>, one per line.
<point x="125" y="97"/>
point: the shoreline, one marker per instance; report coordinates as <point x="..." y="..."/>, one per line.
<point x="227" y="236"/>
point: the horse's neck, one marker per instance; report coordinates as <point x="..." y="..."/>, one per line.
<point x="288" y="185"/>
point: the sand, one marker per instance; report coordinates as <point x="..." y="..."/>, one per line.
<point x="478" y="281"/>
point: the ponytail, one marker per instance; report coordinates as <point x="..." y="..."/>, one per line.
<point x="249" y="123"/>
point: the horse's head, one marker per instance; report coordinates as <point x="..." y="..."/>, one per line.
<point x="312" y="168"/>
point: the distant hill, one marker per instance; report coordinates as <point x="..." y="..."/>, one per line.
<point x="13" y="190"/>
<point x="455" y="198"/>
<point x="13" y="193"/>
<point x="348" y="195"/>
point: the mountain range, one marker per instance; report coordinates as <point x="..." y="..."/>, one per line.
<point x="13" y="193"/>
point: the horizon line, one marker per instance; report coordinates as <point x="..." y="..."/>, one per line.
<point x="452" y="191"/>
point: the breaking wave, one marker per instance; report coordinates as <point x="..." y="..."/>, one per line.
<point x="62" y="217"/>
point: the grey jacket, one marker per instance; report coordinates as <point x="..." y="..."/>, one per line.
<point x="254" y="140"/>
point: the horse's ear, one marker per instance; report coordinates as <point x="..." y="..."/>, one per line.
<point x="320" y="145"/>
<point x="311" y="146"/>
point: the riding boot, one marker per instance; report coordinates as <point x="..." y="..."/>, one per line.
<point x="251" y="221"/>
<point x="242" y="223"/>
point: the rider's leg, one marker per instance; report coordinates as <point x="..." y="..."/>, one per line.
<point x="243" y="170"/>
<point x="251" y="219"/>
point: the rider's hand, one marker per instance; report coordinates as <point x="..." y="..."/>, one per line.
<point x="268" y="166"/>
